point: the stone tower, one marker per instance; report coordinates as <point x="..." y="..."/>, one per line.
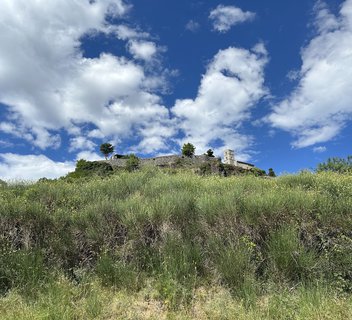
<point x="229" y="157"/>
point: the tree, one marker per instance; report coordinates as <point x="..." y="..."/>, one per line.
<point x="210" y="153"/>
<point x="271" y="173"/>
<point x="336" y="164"/>
<point x="106" y="149"/>
<point x="188" y="149"/>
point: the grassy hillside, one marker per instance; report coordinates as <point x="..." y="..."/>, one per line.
<point x="149" y="244"/>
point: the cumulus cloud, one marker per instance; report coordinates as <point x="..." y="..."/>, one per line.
<point x="48" y="85"/>
<point x="31" y="167"/>
<point x="231" y="86"/>
<point x="321" y="105"/>
<point x="224" y="17"/>
<point x="144" y="50"/>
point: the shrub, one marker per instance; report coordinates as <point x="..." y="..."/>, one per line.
<point x="90" y="168"/>
<point x="205" y="169"/>
<point x="271" y="173"/>
<point x="132" y="163"/>
<point x="257" y="172"/>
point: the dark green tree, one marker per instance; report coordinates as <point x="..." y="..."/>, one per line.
<point x="106" y="149"/>
<point x="271" y="172"/>
<point x="210" y="153"/>
<point x="188" y="149"/>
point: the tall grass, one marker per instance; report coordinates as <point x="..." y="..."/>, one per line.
<point x="258" y="241"/>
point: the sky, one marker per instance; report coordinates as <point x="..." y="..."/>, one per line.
<point x="271" y="80"/>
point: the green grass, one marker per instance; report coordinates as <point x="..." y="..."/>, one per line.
<point x="153" y="244"/>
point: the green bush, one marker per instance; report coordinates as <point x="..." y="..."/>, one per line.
<point x="132" y="163"/>
<point x="88" y="169"/>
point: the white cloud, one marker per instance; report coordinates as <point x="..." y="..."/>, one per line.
<point x="31" y="167"/>
<point x="321" y="104"/>
<point x="81" y="143"/>
<point x="232" y="85"/>
<point x="144" y="50"/>
<point x="89" y="155"/>
<point x="124" y="32"/>
<point x="48" y="85"/>
<point x="36" y="135"/>
<point x="320" y="149"/>
<point x="224" y="17"/>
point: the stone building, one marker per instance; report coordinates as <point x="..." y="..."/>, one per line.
<point x="229" y="158"/>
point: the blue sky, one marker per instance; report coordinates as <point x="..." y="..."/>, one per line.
<point x="270" y="79"/>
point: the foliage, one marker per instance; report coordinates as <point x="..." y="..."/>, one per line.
<point x="210" y="153"/>
<point x="88" y="169"/>
<point x="336" y="164"/>
<point x="132" y="163"/>
<point x="147" y="243"/>
<point x="106" y="149"/>
<point x="2" y="183"/>
<point x="188" y="149"/>
<point x="257" y="172"/>
<point x="271" y="172"/>
<point x="205" y="169"/>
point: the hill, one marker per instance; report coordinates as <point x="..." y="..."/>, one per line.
<point x="174" y="244"/>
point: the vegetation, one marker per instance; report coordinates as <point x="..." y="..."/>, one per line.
<point x="271" y="173"/>
<point x="106" y="149"/>
<point x="210" y="153"/>
<point x="257" y="172"/>
<point x="132" y="163"/>
<point x="336" y="164"/>
<point x="188" y="150"/>
<point x="151" y="245"/>
<point x="89" y="169"/>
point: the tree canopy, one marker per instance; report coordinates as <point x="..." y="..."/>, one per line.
<point x="210" y="153"/>
<point x="188" y="149"/>
<point x="106" y="149"/>
<point x="271" y="172"/>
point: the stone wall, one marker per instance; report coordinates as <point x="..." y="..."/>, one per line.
<point x="244" y="165"/>
<point x="175" y="160"/>
<point x="164" y="161"/>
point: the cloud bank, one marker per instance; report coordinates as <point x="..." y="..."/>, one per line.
<point x="16" y="167"/>
<point x="48" y="85"/>
<point x="321" y="104"/>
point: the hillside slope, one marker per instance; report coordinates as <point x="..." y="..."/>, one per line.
<point x="149" y="244"/>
